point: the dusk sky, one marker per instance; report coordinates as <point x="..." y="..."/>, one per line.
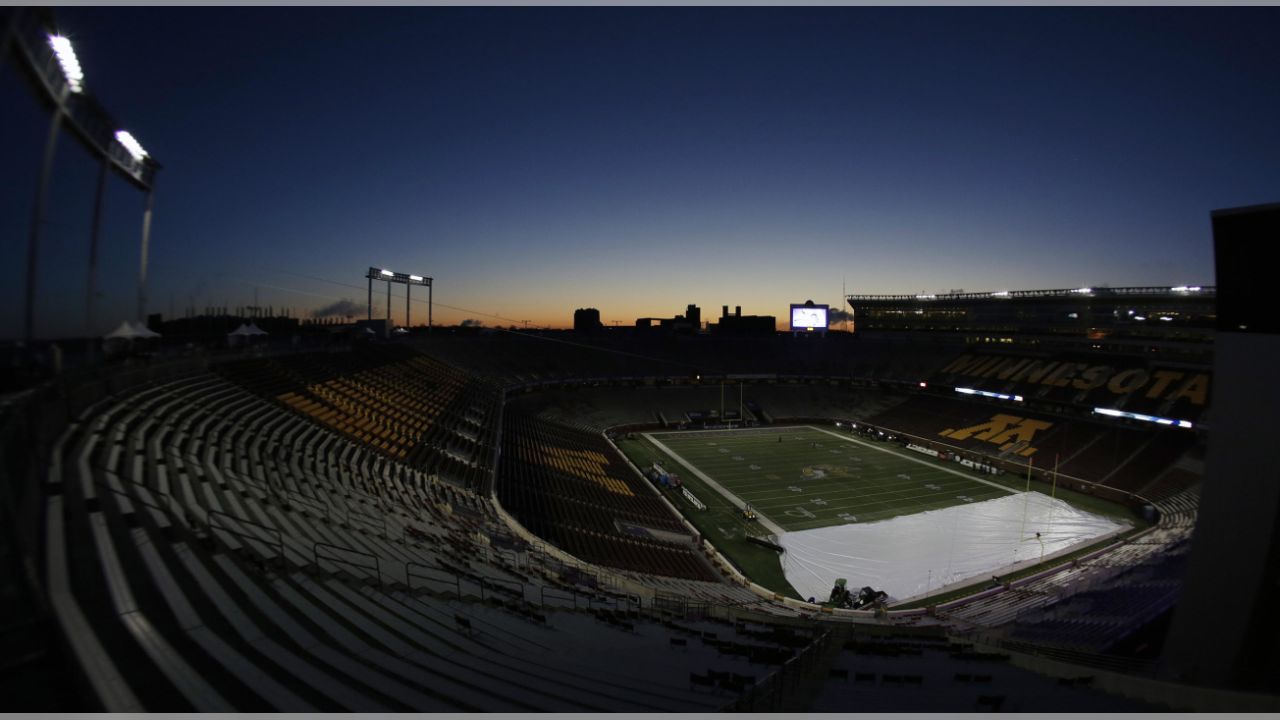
<point x="536" y="160"/>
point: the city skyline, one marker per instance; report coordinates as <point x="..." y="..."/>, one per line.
<point x="637" y="160"/>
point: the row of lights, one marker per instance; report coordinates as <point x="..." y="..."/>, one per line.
<point x="985" y="393"/>
<point x="1145" y="418"/>
<point x="388" y="273"/>
<point x="1111" y="412"/>
<point x="1079" y="291"/>
<point x="71" y="69"/>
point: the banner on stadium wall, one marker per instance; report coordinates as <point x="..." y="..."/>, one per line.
<point x="980" y="467"/>
<point x="922" y="449"/>
<point x="1155" y="383"/>
<point x="693" y="499"/>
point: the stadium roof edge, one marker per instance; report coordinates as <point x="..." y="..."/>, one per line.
<point x="1180" y="290"/>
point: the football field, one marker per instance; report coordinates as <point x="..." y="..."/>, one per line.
<point x="800" y="478"/>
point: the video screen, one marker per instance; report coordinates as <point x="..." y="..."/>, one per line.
<point x="808" y="317"/>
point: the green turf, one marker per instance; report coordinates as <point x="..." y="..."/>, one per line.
<point x="803" y="478"/>
<point x="720" y="523"/>
<point x="869" y="488"/>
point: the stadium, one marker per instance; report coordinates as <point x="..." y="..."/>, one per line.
<point x="955" y="502"/>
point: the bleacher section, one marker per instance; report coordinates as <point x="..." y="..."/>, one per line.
<point x="1135" y="384"/>
<point x="1124" y="458"/>
<point x="403" y="404"/>
<point x="299" y="533"/>
<point x="569" y="487"/>
<point x="531" y="358"/>
<point x="210" y="550"/>
<point x="600" y="408"/>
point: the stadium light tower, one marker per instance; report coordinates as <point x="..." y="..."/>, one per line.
<point x="49" y="58"/>
<point x="405" y="279"/>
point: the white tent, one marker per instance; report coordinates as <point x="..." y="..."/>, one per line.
<point x="123" y="336"/>
<point x="243" y="333"/>
<point x="130" y="331"/>
<point x="144" y="331"/>
<point x="250" y="330"/>
<point x="124" y="332"/>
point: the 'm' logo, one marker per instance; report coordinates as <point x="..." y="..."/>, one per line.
<point x="1003" y="430"/>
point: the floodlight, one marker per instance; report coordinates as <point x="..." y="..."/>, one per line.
<point x="67" y="59"/>
<point x="1083" y="291"/>
<point x="986" y="393"/>
<point x="388" y="273"/>
<point x="416" y="278"/>
<point x="1144" y="418"/>
<point x="124" y="138"/>
<point x="1002" y="293"/>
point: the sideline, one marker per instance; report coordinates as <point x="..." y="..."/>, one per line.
<point x="733" y="499"/>
<point x="967" y="476"/>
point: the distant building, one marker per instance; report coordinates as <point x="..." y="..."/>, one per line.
<point x="586" y="320"/>
<point x="693" y="314"/>
<point x="690" y="322"/>
<point x="739" y="324"/>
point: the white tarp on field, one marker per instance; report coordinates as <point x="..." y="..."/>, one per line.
<point x="908" y="555"/>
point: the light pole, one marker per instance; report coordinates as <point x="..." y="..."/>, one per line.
<point x="405" y="279"/>
<point x="73" y="82"/>
<point x="51" y="61"/>
<point x="135" y="150"/>
<point x="37" y="224"/>
<point x="94" y="235"/>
